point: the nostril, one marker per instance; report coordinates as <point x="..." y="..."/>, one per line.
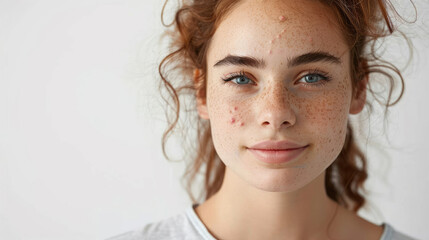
<point x="268" y="123"/>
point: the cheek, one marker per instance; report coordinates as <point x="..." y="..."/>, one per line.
<point x="227" y="117"/>
<point x="235" y="117"/>
<point x="226" y="122"/>
<point x="328" y="121"/>
<point x="226" y="113"/>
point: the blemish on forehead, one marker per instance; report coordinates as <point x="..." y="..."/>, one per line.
<point x="272" y="41"/>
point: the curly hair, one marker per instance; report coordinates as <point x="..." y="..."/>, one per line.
<point x="362" y="23"/>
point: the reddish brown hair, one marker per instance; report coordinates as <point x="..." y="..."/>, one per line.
<point x="362" y="22"/>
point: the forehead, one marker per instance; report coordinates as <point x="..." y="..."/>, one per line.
<point x="257" y="27"/>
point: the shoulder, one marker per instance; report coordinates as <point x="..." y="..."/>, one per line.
<point x="389" y="233"/>
<point x="356" y="227"/>
<point x="175" y="227"/>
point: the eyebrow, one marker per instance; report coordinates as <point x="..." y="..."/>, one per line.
<point x="313" y="57"/>
<point x="241" y="61"/>
<point x="309" y="57"/>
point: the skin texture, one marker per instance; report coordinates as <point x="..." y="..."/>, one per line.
<point x="257" y="200"/>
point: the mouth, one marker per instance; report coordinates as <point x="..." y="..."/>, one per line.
<point x="277" y="152"/>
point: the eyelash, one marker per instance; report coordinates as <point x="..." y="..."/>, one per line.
<point x="233" y="76"/>
<point x="324" y="78"/>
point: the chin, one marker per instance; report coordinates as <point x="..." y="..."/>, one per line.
<point x="282" y="180"/>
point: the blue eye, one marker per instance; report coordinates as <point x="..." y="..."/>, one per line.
<point x="241" y="80"/>
<point x="313" y="78"/>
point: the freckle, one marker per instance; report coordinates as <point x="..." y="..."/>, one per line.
<point x="282" y="18"/>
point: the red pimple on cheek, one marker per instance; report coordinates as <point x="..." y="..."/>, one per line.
<point x="235" y="108"/>
<point x="242" y="124"/>
<point x="282" y="18"/>
<point x="232" y="120"/>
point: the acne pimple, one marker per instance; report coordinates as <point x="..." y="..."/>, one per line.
<point x="282" y="18"/>
<point x="235" y="108"/>
<point x="242" y="124"/>
<point x="232" y="120"/>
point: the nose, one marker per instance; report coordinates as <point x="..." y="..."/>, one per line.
<point x="274" y="108"/>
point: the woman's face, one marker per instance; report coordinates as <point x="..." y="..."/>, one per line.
<point x="278" y="70"/>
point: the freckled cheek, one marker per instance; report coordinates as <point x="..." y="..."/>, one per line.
<point x="328" y="123"/>
<point x="228" y="114"/>
<point x="235" y="117"/>
<point x="227" y="120"/>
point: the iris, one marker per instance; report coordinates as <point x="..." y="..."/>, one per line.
<point x="312" y="78"/>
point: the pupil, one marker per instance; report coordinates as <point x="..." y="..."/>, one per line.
<point x="241" y="80"/>
<point x="311" y="78"/>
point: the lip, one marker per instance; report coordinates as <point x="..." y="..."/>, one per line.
<point x="276" y="151"/>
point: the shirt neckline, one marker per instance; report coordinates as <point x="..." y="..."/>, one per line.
<point x="197" y="223"/>
<point x="203" y="231"/>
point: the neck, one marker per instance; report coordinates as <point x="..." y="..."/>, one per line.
<point x="241" y="211"/>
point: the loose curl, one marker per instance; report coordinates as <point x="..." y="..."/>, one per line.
<point x="362" y="21"/>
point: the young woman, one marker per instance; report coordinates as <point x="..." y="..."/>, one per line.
<point x="274" y="83"/>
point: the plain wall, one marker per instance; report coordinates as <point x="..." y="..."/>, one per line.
<point x="81" y="124"/>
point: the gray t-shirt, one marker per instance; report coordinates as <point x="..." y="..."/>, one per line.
<point x="188" y="226"/>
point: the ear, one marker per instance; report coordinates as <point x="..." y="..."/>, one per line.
<point x="200" y="95"/>
<point x="359" y="98"/>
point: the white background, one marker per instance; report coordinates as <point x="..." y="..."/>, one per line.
<point x="81" y="125"/>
